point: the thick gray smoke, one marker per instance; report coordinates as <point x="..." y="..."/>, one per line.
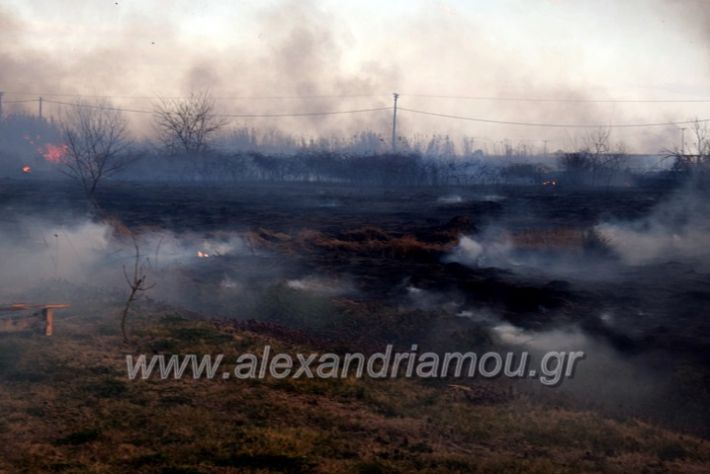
<point x="296" y="53"/>
<point x="37" y="252"/>
<point x="678" y="229"/>
<point x="219" y="273"/>
<point x="317" y="48"/>
<point x="694" y="15"/>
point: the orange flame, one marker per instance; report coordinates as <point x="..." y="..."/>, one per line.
<point x="54" y="153"/>
<point x="26" y="169"/>
<point x="201" y="254"/>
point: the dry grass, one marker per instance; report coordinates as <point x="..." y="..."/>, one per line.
<point x="369" y="241"/>
<point x="561" y="238"/>
<point x="549" y="238"/>
<point x="376" y="242"/>
<point x="67" y="406"/>
<point x="373" y="241"/>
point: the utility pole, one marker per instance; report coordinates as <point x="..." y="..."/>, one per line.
<point x="394" y="124"/>
<point x="40" y="107"/>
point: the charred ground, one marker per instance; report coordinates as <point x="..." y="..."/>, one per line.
<point x="393" y="254"/>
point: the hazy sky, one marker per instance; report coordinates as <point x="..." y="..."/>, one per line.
<point x="512" y="48"/>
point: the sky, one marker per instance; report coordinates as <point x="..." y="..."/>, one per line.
<point x="243" y="51"/>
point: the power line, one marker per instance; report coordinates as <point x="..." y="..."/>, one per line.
<point x="304" y="114"/>
<point x="552" y="99"/>
<point x="379" y="109"/>
<point x="554" y="125"/>
<point x="236" y="97"/>
<point x="102" y="107"/>
<point x="295" y="97"/>
<point x="274" y="115"/>
<point x="26" y="101"/>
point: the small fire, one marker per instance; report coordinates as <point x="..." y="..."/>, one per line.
<point x="26" y="169"/>
<point x="549" y="182"/>
<point x="54" y="153"/>
<point x="201" y="254"/>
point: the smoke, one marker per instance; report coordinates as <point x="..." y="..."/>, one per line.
<point x="694" y="15"/>
<point x="552" y="253"/>
<point x="450" y="199"/>
<point x="296" y="52"/>
<point x="322" y="48"/>
<point x="76" y="261"/>
<point x="37" y="251"/>
<point x="678" y="229"/>
<point x="492" y="248"/>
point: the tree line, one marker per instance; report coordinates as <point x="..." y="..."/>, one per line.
<point x="96" y="145"/>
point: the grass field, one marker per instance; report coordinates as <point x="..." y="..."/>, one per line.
<point x="67" y="406"/>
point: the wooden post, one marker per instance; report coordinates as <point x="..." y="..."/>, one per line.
<point x="48" y="321"/>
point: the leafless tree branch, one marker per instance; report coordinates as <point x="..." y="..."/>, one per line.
<point x="96" y="144"/>
<point x="137" y="283"/>
<point x="186" y="125"/>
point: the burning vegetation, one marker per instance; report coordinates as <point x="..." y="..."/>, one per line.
<point x="55" y="154"/>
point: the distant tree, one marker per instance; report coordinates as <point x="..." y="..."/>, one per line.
<point x="576" y="166"/>
<point x="187" y="125"/>
<point x="596" y="162"/>
<point x="606" y="159"/>
<point x="95" y="141"/>
<point x="702" y="140"/>
<point x="697" y="154"/>
<point x="611" y="163"/>
<point x="597" y="142"/>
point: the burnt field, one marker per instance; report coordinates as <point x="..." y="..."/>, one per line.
<point x="355" y="237"/>
<point x="470" y="268"/>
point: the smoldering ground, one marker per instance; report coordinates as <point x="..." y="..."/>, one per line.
<point x="635" y="297"/>
<point x="677" y="230"/>
<point x="382" y="267"/>
<point x="89" y="255"/>
<point x="220" y="273"/>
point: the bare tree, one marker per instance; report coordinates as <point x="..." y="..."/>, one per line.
<point x="611" y="163"/>
<point x="186" y="125"/>
<point x="697" y="154"/>
<point x="597" y="160"/>
<point x="597" y="141"/>
<point x="701" y="135"/>
<point x="96" y="143"/>
<point x="596" y="146"/>
<point x="136" y="281"/>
